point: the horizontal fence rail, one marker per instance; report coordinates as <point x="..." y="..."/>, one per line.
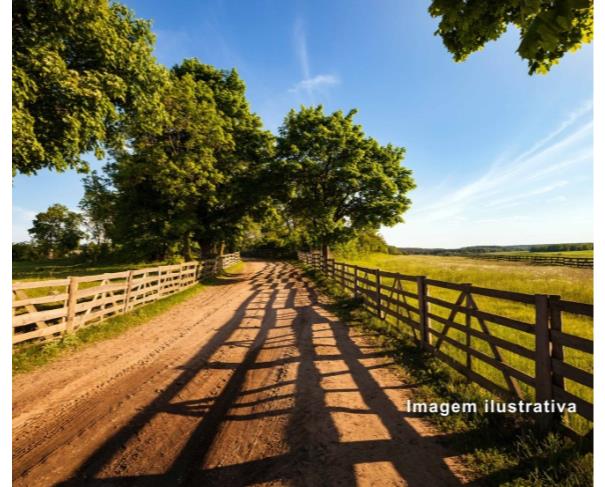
<point x="586" y="262"/>
<point x="515" y="345"/>
<point x="46" y="310"/>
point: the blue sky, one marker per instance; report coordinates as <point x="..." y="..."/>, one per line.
<point x="499" y="157"/>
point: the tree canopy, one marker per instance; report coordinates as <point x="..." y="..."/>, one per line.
<point x="57" y="231"/>
<point x="82" y="73"/>
<point x="549" y="28"/>
<point x="334" y="179"/>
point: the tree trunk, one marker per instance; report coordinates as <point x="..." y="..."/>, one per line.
<point x="325" y="251"/>
<point x="187" y="248"/>
<point x="221" y="248"/>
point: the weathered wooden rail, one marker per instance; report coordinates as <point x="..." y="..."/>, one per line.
<point x="478" y="332"/>
<point x="585" y="262"/>
<point x="46" y="310"/>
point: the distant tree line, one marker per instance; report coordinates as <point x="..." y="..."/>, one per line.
<point x="190" y="169"/>
<point x="561" y="247"/>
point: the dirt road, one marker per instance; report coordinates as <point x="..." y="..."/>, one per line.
<point x="252" y="382"/>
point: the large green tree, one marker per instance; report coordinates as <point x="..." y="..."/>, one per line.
<point x="57" y="231"/>
<point x="195" y="183"/>
<point x="83" y="71"/>
<point x="336" y="180"/>
<point x="240" y="193"/>
<point x="162" y="178"/>
<point x="549" y="28"/>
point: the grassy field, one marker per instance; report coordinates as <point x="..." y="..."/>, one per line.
<point x="568" y="253"/>
<point x="59" y="268"/>
<point x="570" y="283"/>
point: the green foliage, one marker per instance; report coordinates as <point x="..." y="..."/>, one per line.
<point x="23" y="251"/>
<point x="549" y="29"/>
<point x="363" y="243"/>
<point x="192" y="182"/>
<point x="56" y="231"/>
<point x="98" y="207"/>
<point x="561" y="247"/>
<point x="83" y="72"/>
<point x="334" y="180"/>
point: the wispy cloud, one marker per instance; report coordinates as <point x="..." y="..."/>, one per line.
<point x="310" y="84"/>
<point x="511" y="181"/>
<point x="313" y="84"/>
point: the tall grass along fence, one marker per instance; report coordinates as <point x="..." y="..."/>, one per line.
<point x="586" y="262"/>
<point x="46" y="310"/>
<point x="533" y="348"/>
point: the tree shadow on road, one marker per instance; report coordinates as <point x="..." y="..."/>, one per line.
<point x="307" y="383"/>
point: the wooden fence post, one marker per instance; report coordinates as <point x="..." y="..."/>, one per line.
<point x="468" y="322"/>
<point x="422" y="312"/>
<point x="127" y="292"/>
<point x="543" y="362"/>
<point x="556" y="348"/>
<point x="355" y="281"/>
<point x="378" y="292"/>
<point x="72" y="301"/>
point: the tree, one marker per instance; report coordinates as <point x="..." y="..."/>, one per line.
<point x="240" y="192"/>
<point x="98" y="207"/>
<point x="549" y="28"/>
<point x="163" y="177"/>
<point x="334" y="179"/>
<point x="57" y="231"/>
<point x="82" y="73"/>
<point x="195" y="182"/>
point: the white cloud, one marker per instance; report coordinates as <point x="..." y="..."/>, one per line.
<point x="316" y="83"/>
<point x="309" y="85"/>
<point x="555" y="169"/>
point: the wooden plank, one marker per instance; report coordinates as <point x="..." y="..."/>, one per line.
<point x="569" y="371"/>
<point x="42" y="332"/>
<point x="502" y="366"/>
<point x="497" y="341"/>
<point x="28" y="318"/>
<point x="572" y="341"/>
<point x="508" y="295"/>
<point x="473" y="376"/>
<point x="86" y="305"/>
<point x="500" y="320"/>
<point x="40" y="300"/>
<point x="575" y="308"/>
<point x="103" y="277"/>
<point x="91" y="291"/>
<point x="543" y="366"/>
<point x="37" y="284"/>
<point x="444" y="284"/>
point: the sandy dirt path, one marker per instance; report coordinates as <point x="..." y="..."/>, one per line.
<point x="253" y="382"/>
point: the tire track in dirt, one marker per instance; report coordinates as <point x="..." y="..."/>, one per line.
<point x="256" y="383"/>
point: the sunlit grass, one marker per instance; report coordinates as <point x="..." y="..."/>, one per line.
<point x="571" y="284"/>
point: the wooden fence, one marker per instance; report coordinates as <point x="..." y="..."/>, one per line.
<point x="481" y="333"/>
<point x="586" y="262"/>
<point x="46" y="310"/>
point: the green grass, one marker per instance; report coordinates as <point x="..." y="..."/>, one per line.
<point x="28" y="357"/>
<point x="60" y="268"/>
<point x="566" y="253"/>
<point x="499" y="449"/>
<point x="570" y="283"/>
